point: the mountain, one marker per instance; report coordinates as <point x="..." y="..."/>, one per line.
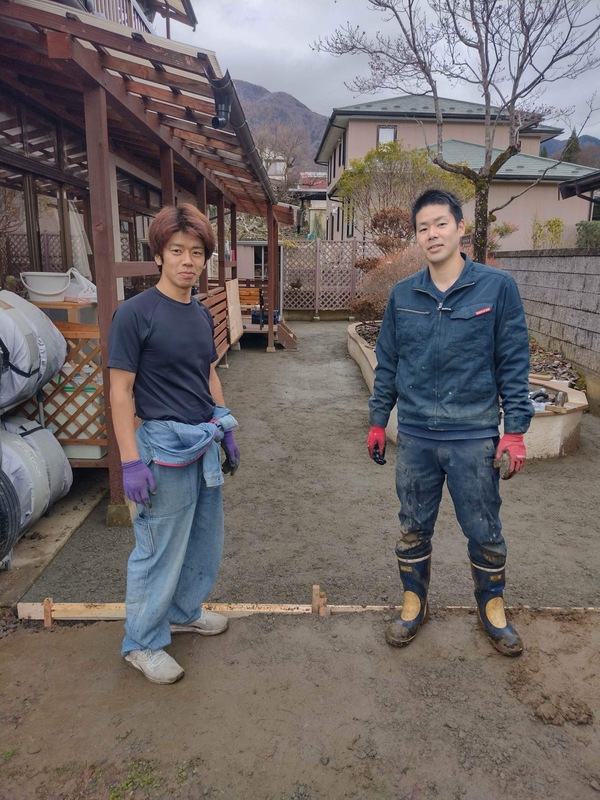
<point x="590" y="150"/>
<point x="263" y="108"/>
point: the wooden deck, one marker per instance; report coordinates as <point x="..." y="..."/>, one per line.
<point x="283" y="333"/>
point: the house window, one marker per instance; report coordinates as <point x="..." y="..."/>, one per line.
<point x="385" y="134"/>
<point x="261" y="262"/>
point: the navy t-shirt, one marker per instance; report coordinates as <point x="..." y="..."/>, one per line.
<point x="170" y="347"/>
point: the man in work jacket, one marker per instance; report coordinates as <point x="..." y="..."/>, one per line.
<point x="162" y="361"/>
<point x="453" y="343"/>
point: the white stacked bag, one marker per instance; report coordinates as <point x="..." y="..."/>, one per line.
<point x="32" y="350"/>
<point x="34" y="471"/>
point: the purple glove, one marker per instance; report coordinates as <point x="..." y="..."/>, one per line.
<point x="137" y="479"/>
<point x="232" y="451"/>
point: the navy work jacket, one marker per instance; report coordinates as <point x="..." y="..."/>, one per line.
<point x="447" y="363"/>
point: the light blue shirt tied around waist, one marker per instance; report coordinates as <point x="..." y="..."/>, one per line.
<point x="177" y="444"/>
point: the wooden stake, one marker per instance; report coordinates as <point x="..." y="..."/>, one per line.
<point x="47" y="610"/>
<point x="316" y="598"/>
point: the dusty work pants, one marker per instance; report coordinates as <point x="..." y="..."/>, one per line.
<point x="178" y="549"/>
<point x="423" y="465"/>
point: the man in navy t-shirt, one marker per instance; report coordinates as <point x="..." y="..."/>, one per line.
<point x="162" y="361"/>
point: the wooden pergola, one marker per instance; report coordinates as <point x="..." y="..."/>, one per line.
<point x="150" y="101"/>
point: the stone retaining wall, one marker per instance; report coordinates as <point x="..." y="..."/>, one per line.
<point x="561" y="295"/>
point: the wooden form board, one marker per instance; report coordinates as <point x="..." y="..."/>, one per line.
<point x="49" y="611"/>
<point x="234" y="311"/>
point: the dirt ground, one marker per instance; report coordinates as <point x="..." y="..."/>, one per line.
<point x="303" y="708"/>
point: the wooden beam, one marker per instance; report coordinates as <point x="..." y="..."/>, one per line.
<point x="101" y="208"/>
<point x="201" y="193"/>
<point x="126" y="69"/>
<point x="130" y="106"/>
<point x="221" y="237"/>
<point x="135" y="269"/>
<point x="199" y="64"/>
<point x="271" y="262"/>
<point x="233" y="228"/>
<point x="172" y="96"/>
<point x="167" y="176"/>
<point x="29" y="93"/>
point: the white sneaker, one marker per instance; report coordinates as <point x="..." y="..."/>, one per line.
<point x="156" y="665"/>
<point x="209" y="623"/>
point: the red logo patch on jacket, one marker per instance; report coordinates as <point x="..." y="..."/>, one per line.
<point x="483" y="311"/>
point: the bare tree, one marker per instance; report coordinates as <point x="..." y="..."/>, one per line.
<point x="11" y="210"/>
<point x="279" y="146"/>
<point x="507" y="50"/>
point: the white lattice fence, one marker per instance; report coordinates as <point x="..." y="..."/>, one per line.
<point x="337" y="275"/>
<point x="299" y="276"/>
<point x="321" y="276"/>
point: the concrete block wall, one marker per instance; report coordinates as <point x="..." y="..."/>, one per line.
<point x="561" y="296"/>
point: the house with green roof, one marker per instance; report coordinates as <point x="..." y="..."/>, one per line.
<point x="354" y="130"/>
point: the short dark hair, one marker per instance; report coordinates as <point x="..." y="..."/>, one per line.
<point x="437" y="197"/>
<point x="185" y="218"/>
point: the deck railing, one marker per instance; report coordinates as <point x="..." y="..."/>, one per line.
<point x="124" y="12"/>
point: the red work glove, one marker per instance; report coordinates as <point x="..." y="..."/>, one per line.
<point x="513" y="445"/>
<point x="376" y="442"/>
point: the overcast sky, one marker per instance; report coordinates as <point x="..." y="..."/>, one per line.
<point x="268" y="42"/>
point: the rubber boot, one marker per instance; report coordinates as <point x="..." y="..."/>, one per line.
<point x="489" y="585"/>
<point x="414" y="574"/>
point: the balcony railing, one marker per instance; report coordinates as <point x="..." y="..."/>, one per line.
<point x="124" y="12"/>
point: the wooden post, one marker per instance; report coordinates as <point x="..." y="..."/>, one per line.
<point x="221" y="237"/>
<point x="167" y="177"/>
<point x="233" y="227"/>
<point x="201" y="203"/>
<point x="201" y="193"/>
<point x="271" y="270"/>
<point x="276" y="264"/>
<point x="317" y="278"/>
<point x="101" y="208"/>
<point x="353" y="274"/>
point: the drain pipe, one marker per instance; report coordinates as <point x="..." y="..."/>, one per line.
<point x="229" y="111"/>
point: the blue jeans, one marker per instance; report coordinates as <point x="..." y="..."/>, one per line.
<point x="178" y="549"/>
<point x="422" y="467"/>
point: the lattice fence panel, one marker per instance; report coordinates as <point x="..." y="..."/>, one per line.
<point x="14" y="255"/>
<point x="323" y="274"/>
<point x="52" y="259"/>
<point x="299" y="276"/>
<point x="336" y="285"/>
<point x="125" y="250"/>
<point x="74" y="399"/>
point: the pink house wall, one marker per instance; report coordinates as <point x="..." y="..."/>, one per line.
<point x="540" y="202"/>
<point x="362" y="135"/>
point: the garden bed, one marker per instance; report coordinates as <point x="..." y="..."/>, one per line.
<point x="553" y="432"/>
